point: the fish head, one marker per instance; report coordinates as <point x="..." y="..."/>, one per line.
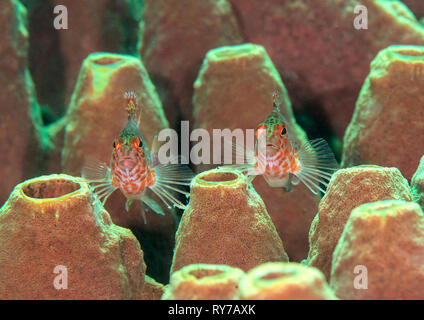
<point x="130" y="154"/>
<point x="274" y="131"/>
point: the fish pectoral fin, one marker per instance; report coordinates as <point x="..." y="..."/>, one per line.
<point x="95" y="170"/>
<point x="245" y="160"/>
<point x="294" y="180"/>
<point x="239" y="152"/>
<point x="250" y="179"/>
<point x="97" y="174"/>
<point x="317" y="165"/>
<point x="154" y="151"/>
<point x="171" y="179"/>
<point x="152" y="204"/>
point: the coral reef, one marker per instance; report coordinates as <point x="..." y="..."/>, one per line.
<point x="19" y="120"/>
<point x="97" y="114"/>
<point x="152" y="290"/>
<point x="323" y="60"/>
<point x="348" y="189"/>
<point x="380" y="253"/>
<point x="204" y="282"/>
<point x="416" y="6"/>
<point x="225" y="223"/>
<point x="95" y="26"/>
<point x="56" y="53"/>
<point x="389" y="105"/>
<point x="417" y="184"/>
<point x="238" y="80"/>
<point x="49" y="221"/>
<point x="347" y="71"/>
<point x="285" y="281"/>
<point x="168" y="34"/>
<point x="96" y="107"/>
<point x="95" y="118"/>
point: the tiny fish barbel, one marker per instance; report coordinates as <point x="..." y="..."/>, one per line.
<point x="135" y="171"/>
<point x="279" y="159"/>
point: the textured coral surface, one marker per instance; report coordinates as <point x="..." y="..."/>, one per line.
<point x="181" y="32"/>
<point x="417" y="184"/>
<point x="237" y="80"/>
<point x="48" y="222"/>
<point x="285" y="281"/>
<point x="323" y="59"/>
<point x="204" y="282"/>
<point x="17" y="131"/>
<point x="95" y="117"/>
<point x="226" y="222"/>
<point x="387" y="238"/>
<point x="390" y="100"/>
<point x="97" y="103"/>
<point x="347" y="71"/>
<point x="348" y="189"/>
<point x="102" y="26"/>
<point x="416" y="6"/>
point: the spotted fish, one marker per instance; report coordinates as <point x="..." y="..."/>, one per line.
<point x="133" y="171"/>
<point x="281" y="161"/>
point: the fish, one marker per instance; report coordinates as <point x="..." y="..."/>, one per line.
<point x="137" y="172"/>
<point x="279" y="158"/>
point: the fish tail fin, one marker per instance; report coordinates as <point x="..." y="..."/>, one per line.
<point x="97" y="174"/>
<point x="170" y="182"/>
<point x="317" y="165"/>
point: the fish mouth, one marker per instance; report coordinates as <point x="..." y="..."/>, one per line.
<point x="127" y="162"/>
<point x="271" y="145"/>
<point x="271" y="149"/>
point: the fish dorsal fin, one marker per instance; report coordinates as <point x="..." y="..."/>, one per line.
<point x="276" y="103"/>
<point x="276" y="100"/>
<point x="132" y="106"/>
<point x="275" y="116"/>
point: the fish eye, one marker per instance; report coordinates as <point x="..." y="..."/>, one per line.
<point x="140" y="143"/>
<point x="114" y="144"/>
<point x="283" y="131"/>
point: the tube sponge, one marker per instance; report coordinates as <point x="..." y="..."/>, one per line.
<point x="226" y="222"/>
<point x="285" y="281"/>
<point x="205" y="282"/>
<point x="50" y="221"/>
